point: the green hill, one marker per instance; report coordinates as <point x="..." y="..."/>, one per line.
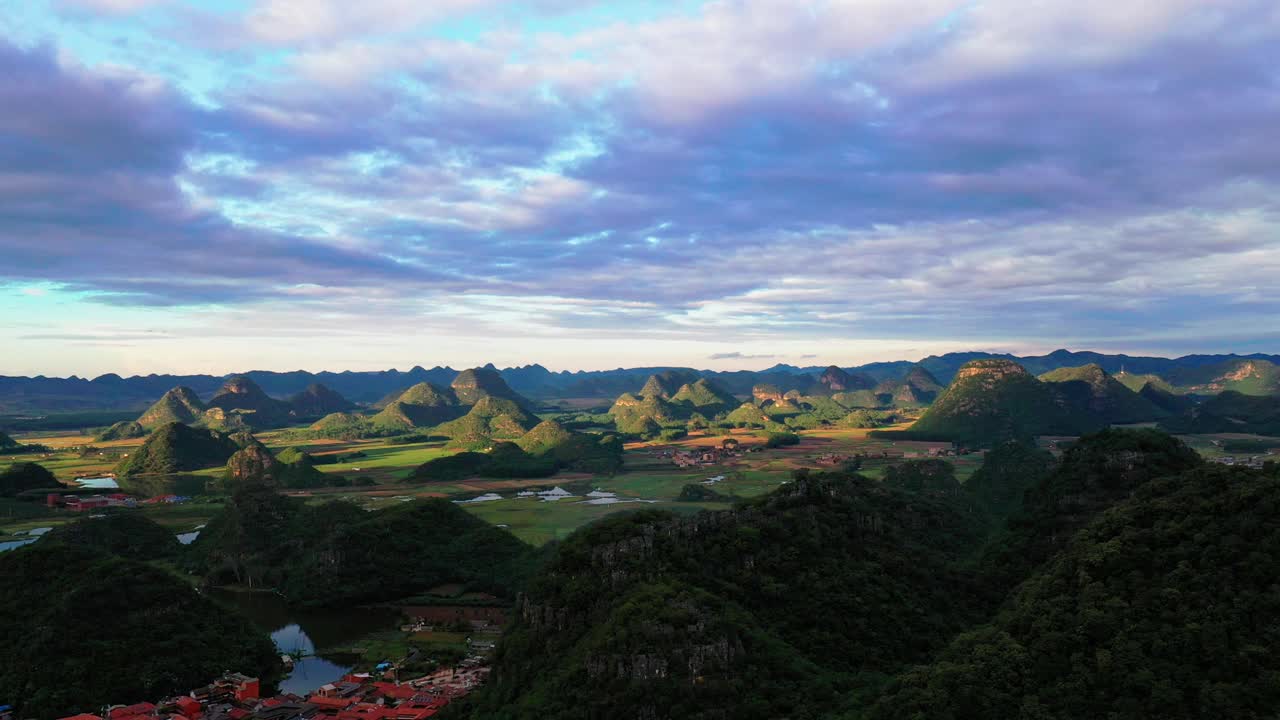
<point x="865" y="399"/>
<point x="123" y="430"/>
<point x="994" y="400"/>
<point x="471" y="386"/>
<point x="407" y="416"/>
<point x="176" y="447"/>
<point x="1164" y="606"/>
<point x="254" y="464"/>
<point x="341" y="426"/>
<point x="1230" y="412"/>
<point x="428" y="395"/>
<point x="23" y="476"/>
<point x="181" y="404"/>
<point x="127" y="534"/>
<point x="81" y="629"/>
<point x="915" y="389"/>
<point x="317" y="401"/>
<point x="1166" y="400"/>
<point x="667" y="383"/>
<point x="749" y="415"/>
<point x="641" y="416"/>
<point x="835" y="380"/>
<point x="1092" y="388"/>
<point x="703" y="396"/>
<point x="242" y="396"/>
<point x="1098" y="471"/>
<point x="789" y="606"/>
<point x="1246" y="376"/>
<point x="340" y="555"/>
<point x="8" y="443"/>
<point x="491" y="418"/>
<point x="1137" y="381"/>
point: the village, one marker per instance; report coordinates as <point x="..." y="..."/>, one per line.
<point x="355" y="696"/>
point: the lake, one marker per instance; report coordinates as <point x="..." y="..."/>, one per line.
<point x="309" y="633"/>
<point x="98" y="483"/>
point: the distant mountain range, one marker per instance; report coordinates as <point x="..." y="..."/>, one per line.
<point x="1255" y="374"/>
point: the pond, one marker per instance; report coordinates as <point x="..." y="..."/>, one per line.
<point x="98" y="483"/>
<point x="306" y="634"/>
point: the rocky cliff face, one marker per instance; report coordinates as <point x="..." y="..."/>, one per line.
<point x="254" y="463"/>
<point x="767" y="393"/>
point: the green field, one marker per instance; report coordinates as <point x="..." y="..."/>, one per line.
<point x="646" y="477"/>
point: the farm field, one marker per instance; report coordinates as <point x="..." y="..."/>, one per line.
<point x="650" y="479"/>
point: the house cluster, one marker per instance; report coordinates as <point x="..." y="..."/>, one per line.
<point x="1253" y="461"/>
<point x="86" y="503"/>
<point x="78" y="503"/>
<point x="357" y="696"/>
<point x="695" y="456"/>
<point x="935" y="452"/>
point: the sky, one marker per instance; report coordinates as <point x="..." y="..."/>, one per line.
<point x="220" y="185"/>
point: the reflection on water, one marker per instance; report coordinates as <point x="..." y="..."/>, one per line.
<point x="11" y="544"/>
<point x="98" y="483"/>
<point x="307" y="634"/>
<point x="188" y="538"/>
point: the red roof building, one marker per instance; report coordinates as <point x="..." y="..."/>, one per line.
<point x="81" y="716"/>
<point x="135" y="710"/>
<point x="189" y="706"/>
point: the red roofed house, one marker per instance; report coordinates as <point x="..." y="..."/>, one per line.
<point x="189" y="706"/>
<point x="393" y="691"/>
<point x="142" y="709"/>
<point x="81" y="716"/>
<point x="331" y="704"/>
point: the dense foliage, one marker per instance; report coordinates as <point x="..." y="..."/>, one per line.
<point x="781" y="439"/>
<point x="1230" y="412"/>
<point x="123" y="430"/>
<point x="788" y="606"/>
<point x="1165" y="606"/>
<point x="1095" y="473"/>
<point x="80" y="629"/>
<point x="924" y="476"/>
<point x="1131" y="581"/>
<point x="176" y="448"/>
<point x="1008" y="471"/>
<point x="337" y="554"/>
<point x="23" y="476"/>
<point x="1092" y="388"/>
<point x="126" y="533"/>
<point x="991" y="401"/>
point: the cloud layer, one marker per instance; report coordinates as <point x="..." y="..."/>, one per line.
<point x="727" y="170"/>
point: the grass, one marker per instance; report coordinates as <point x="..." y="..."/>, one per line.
<point x="646" y="477"/>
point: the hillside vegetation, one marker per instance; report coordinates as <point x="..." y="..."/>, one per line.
<point x="995" y="400"/>
<point x="338" y="554"/>
<point x="80" y="629"/>
<point x="788" y="606"/>
<point x="176" y="447"/>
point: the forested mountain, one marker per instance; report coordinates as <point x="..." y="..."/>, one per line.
<point x="336" y="553"/>
<point x="792" y="605"/>
<point x="81" y="629"/>
<point x="1165" y="606"/>
<point x="1091" y="387"/>
<point x="1253" y="374"/>
<point x="1132" y="582"/>
<point x="176" y="447"/>
<point x="996" y="400"/>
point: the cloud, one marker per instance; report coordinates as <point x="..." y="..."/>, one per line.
<point x="738" y="356"/>
<point x="726" y="172"/>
